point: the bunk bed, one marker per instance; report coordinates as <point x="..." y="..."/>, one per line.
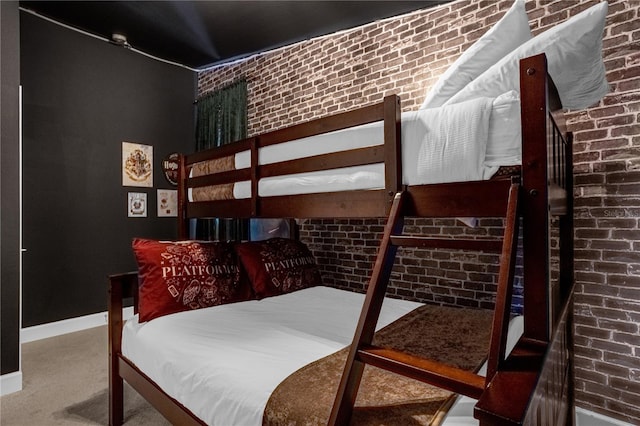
<point x="537" y="191"/>
<point x="529" y="383"/>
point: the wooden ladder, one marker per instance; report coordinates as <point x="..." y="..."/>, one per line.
<point x="444" y="376"/>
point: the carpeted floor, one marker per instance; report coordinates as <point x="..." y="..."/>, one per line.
<point x="65" y="383"/>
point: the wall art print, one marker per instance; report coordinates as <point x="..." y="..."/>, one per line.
<point x="167" y="203"/>
<point x="137" y="204"/>
<point x="137" y="164"/>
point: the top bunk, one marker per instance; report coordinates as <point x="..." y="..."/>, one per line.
<point x="297" y="165"/>
<point x="353" y="163"/>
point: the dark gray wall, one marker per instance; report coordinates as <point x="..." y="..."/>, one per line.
<point x="82" y="98"/>
<point x="9" y="226"/>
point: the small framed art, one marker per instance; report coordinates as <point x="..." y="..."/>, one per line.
<point x="137" y="204"/>
<point x="167" y="203"/>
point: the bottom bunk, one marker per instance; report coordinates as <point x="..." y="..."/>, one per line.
<point x="279" y="360"/>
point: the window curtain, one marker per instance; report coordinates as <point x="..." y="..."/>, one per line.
<point x="221" y="118"/>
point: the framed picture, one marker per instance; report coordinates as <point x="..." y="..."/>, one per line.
<point x="137" y="164"/>
<point x="167" y="203"/>
<point x="137" y="204"/>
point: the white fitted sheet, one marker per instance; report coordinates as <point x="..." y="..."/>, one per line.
<point x="224" y="362"/>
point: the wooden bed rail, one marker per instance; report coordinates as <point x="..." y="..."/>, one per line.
<point x="365" y="203"/>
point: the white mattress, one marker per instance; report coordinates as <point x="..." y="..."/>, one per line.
<point x="460" y="142"/>
<point x="224" y="362"/>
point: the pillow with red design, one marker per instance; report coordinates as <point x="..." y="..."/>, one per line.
<point x="278" y="265"/>
<point x="185" y="275"/>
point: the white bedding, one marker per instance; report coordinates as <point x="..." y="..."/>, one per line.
<point x="239" y="353"/>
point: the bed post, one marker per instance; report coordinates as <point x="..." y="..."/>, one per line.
<point x="255" y="177"/>
<point x="116" y="404"/>
<point x="121" y="286"/>
<point x="392" y="147"/>
<point x="535" y="210"/>
<point x="183" y="222"/>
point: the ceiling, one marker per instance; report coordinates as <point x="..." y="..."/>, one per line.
<point x="200" y="34"/>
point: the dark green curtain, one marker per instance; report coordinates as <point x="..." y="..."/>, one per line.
<point x="222" y="116"/>
<point x="221" y="119"/>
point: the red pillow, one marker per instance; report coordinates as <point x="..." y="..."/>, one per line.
<point x="278" y="266"/>
<point x="179" y="276"/>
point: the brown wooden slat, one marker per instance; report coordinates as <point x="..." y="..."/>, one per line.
<point x="535" y="209"/>
<point x="425" y="370"/>
<point x="230" y="176"/>
<point x="332" y="123"/>
<point x="448" y="243"/>
<point x="255" y="177"/>
<point x="120" y="286"/>
<point x="229" y="208"/>
<point x="326" y="205"/>
<point x="183" y="225"/>
<point x="392" y="145"/>
<point x="460" y="199"/>
<point x="354" y="157"/>
<point x="116" y="292"/>
<point x="219" y="152"/>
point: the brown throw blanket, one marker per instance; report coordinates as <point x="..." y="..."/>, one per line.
<point x="455" y="336"/>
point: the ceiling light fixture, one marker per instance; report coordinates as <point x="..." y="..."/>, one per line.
<point x="120" y="40"/>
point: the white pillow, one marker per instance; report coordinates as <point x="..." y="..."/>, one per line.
<point x="504" y="144"/>
<point x="574" y="58"/>
<point x="507" y="34"/>
<point x="453" y="142"/>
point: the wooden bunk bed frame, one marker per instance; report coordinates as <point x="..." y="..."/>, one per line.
<point x="534" y="383"/>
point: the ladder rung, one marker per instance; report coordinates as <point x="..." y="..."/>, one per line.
<point x="424" y="370"/>
<point x="449" y="243"/>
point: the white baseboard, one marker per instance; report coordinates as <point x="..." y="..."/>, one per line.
<point x="52" y="329"/>
<point x="589" y="418"/>
<point x="10" y="383"/>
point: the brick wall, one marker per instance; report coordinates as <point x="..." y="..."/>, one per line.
<point x="405" y="55"/>
<point x="346" y="251"/>
<point x="607" y="235"/>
